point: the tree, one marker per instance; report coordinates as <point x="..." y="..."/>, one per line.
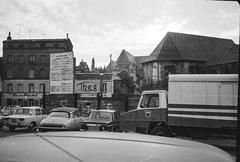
<point x="83" y="67"/>
<point x="127" y="81"/>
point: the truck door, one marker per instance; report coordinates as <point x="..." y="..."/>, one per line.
<point x="152" y="108"/>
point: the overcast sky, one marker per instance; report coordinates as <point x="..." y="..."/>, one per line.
<point x="98" y="28"/>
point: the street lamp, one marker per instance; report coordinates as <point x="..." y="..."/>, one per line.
<point x="100" y="93"/>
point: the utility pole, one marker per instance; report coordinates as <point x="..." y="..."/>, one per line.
<point x="44" y="97"/>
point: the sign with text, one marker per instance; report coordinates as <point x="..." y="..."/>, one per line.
<point x="87" y="86"/>
<point x="61" y="73"/>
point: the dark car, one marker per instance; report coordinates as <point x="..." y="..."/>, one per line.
<point x="106" y="147"/>
<point x="102" y="120"/>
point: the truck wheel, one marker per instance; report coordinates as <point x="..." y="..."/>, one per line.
<point x="159" y="131"/>
<point x="12" y="128"/>
<point x="32" y="126"/>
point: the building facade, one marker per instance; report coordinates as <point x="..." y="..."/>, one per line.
<point x="179" y="53"/>
<point x="26" y="68"/>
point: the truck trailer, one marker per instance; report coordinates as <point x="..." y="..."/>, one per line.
<point x="195" y="105"/>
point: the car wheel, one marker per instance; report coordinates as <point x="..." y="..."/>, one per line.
<point x="159" y="131"/>
<point x="12" y="128"/>
<point x="32" y="126"/>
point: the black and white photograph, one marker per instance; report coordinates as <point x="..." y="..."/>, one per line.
<point x="119" y="81"/>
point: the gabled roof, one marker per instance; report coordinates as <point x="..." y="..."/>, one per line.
<point x="180" y="46"/>
<point x="126" y="58"/>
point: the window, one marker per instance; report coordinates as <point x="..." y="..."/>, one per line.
<point x="41" y="87"/>
<point x="55" y="45"/>
<point x="20" y="87"/>
<point x="20" y="73"/>
<point x="43" y="59"/>
<point x="31" y="88"/>
<point x="31" y="74"/>
<point x="42" y="73"/>
<point x="104" y="88"/>
<point x="150" y="101"/>
<point x="10" y="59"/>
<point x="31" y="102"/>
<point x="32" y="59"/>
<point x="9" y="88"/>
<point x="20" y="102"/>
<point x="9" y="101"/>
<point x="9" y="74"/>
<point x="38" y="112"/>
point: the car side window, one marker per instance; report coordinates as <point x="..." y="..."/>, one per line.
<point x="75" y="114"/>
<point x="38" y="112"/>
<point x="43" y="112"/>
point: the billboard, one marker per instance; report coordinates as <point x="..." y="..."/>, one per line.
<point x="61" y="73"/>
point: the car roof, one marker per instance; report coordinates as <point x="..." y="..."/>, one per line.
<point x="105" y="110"/>
<point x="30" y="107"/>
<point x="67" y="109"/>
<point x="106" y="146"/>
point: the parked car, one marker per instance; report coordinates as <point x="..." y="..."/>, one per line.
<point x="102" y="120"/>
<point x="106" y="147"/>
<point x="8" y="110"/>
<point x="63" y="118"/>
<point x="25" y="117"/>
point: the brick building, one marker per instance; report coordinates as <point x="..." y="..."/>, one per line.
<point x="26" y="67"/>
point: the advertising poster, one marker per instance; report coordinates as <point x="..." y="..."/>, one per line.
<point x="61" y="73"/>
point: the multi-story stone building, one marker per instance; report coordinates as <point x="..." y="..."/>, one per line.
<point x="26" y="67"/>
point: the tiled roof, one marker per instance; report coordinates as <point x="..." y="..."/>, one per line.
<point x="126" y="58"/>
<point x="93" y="76"/>
<point x="180" y="46"/>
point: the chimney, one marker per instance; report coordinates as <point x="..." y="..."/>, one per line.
<point x="9" y="36"/>
<point x="67" y="35"/>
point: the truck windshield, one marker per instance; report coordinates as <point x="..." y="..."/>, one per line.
<point x="150" y="101"/>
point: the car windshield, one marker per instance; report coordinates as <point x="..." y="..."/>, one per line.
<point x="106" y="116"/>
<point x="24" y="111"/>
<point x="61" y="114"/>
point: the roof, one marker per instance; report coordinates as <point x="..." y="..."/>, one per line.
<point x="67" y="109"/>
<point x="126" y="58"/>
<point x="180" y="46"/>
<point x="68" y="146"/>
<point x="93" y="76"/>
<point x="35" y="40"/>
<point x="203" y="77"/>
<point x="106" y="110"/>
<point x="31" y="107"/>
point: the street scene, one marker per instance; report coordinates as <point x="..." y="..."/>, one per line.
<point x="150" y="82"/>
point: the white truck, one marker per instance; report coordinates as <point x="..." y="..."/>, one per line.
<point x="195" y="105"/>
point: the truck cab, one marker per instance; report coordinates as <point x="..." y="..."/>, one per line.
<point x="150" y="116"/>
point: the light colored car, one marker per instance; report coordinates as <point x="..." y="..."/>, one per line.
<point x="8" y="110"/>
<point x="106" y="147"/>
<point x="102" y="120"/>
<point x="25" y="117"/>
<point x="63" y="118"/>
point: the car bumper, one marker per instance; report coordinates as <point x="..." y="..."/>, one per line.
<point x="52" y="128"/>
